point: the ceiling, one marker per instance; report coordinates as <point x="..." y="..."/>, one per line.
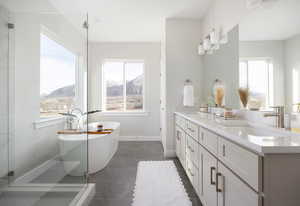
<point x="276" y="20"/>
<point x="118" y="20"/>
<point x="130" y="20"/>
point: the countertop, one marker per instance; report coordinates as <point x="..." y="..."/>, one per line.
<point x="259" y="139"/>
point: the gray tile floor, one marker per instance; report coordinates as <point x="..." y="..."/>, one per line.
<point x="115" y="183"/>
<point x="30" y="198"/>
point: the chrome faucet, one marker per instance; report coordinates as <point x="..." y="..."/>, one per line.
<point x="279" y="114"/>
<point x="73" y="115"/>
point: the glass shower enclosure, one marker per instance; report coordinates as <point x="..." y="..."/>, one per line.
<point x="43" y="104"/>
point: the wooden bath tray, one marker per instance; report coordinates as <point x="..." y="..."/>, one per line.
<point x="76" y="131"/>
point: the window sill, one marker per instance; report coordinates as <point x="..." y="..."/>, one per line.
<point x="46" y="122"/>
<point x="125" y="114"/>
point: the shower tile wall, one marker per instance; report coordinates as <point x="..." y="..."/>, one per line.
<point x="4" y="93"/>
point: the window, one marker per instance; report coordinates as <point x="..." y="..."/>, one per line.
<point x="257" y="75"/>
<point x="123" y="86"/>
<point x="57" y="78"/>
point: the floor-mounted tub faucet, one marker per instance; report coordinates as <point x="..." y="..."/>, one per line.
<point x="73" y="115"/>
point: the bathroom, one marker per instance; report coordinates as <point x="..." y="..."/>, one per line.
<point x="137" y="103"/>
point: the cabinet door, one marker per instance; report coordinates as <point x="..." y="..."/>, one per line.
<point x="209" y="179"/>
<point x="232" y="191"/>
<point x="200" y="172"/>
<point x="177" y="140"/>
<point x="183" y="148"/>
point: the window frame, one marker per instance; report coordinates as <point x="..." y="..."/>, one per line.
<point x="79" y="75"/>
<point x="270" y="94"/>
<point x="103" y="92"/>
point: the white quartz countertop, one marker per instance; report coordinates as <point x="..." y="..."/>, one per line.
<point x="259" y="139"/>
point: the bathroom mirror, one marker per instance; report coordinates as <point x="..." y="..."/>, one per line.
<point x="222" y="65"/>
<point x="269" y="55"/>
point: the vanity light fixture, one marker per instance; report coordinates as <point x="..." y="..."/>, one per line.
<point x="224" y="39"/>
<point x="214" y="37"/>
<point x="253" y="4"/>
<point x="206" y="44"/>
<point x="201" y="50"/>
<point x="212" y="42"/>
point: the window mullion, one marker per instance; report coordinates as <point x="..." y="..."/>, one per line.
<point x="124" y="87"/>
<point x="247" y="72"/>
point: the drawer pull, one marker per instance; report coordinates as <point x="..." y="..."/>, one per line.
<point x="217" y="182"/>
<point x="178" y="135"/>
<point x="190" y="171"/>
<point x="212" y="169"/>
<point x="191" y="129"/>
<point x="223" y="150"/>
<point x="191" y="149"/>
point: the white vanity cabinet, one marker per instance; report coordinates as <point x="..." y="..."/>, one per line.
<point x="225" y="171"/>
<point x="222" y="173"/>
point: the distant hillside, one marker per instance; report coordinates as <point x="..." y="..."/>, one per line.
<point x="134" y="86"/>
<point x="68" y="91"/>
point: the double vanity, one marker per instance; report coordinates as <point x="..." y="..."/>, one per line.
<point x="238" y="164"/>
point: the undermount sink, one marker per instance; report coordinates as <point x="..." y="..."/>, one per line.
<point x="252" y="131"/>
<point x="231" y="123"/>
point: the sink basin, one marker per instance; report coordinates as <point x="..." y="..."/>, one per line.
<point x="251" y="131"/>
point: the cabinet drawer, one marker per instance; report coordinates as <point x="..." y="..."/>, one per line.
<point x="192" y="150"/>
<point x="193" y="174"/>
<point x="180" y="121"/>
<point x="243" y="162"/>
<point x="209" y="140"/>
<point x="192" y="130"/>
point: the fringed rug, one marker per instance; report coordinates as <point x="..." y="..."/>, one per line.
<point x="158" y="184"/>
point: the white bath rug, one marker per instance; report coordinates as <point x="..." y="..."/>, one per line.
<point x="158" y="184"/>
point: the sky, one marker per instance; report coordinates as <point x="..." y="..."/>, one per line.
<point x="57" y="66"/>
<point x="113" y="71"/>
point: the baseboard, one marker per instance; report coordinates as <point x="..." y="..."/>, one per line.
<point x="169" y="153"/>
<point x="84" y="197"/>
<point x="139" y="138"/>
<point x="34" y="173"/>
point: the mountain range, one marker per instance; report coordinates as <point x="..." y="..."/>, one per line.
<point x="134" y="87"/>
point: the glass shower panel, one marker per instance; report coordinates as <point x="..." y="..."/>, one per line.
<point x="43" y="138"/>
<point x="4" y="95"/>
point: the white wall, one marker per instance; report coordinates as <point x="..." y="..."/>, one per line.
<point x="275" y="51"/>
<point x="224" y="15"/>
<point x="143" y="126"/>
<point x="34" y="146"/>
<point x="223" y="65"/>
<point x="181" y="40"/>
<point x="292" y="61"/>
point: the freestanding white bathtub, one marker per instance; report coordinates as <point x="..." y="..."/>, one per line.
<point x="101" y="148"/>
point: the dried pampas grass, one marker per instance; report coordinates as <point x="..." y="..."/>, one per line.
<point x="219" y="96"/>
<point x="244" y="96"/>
